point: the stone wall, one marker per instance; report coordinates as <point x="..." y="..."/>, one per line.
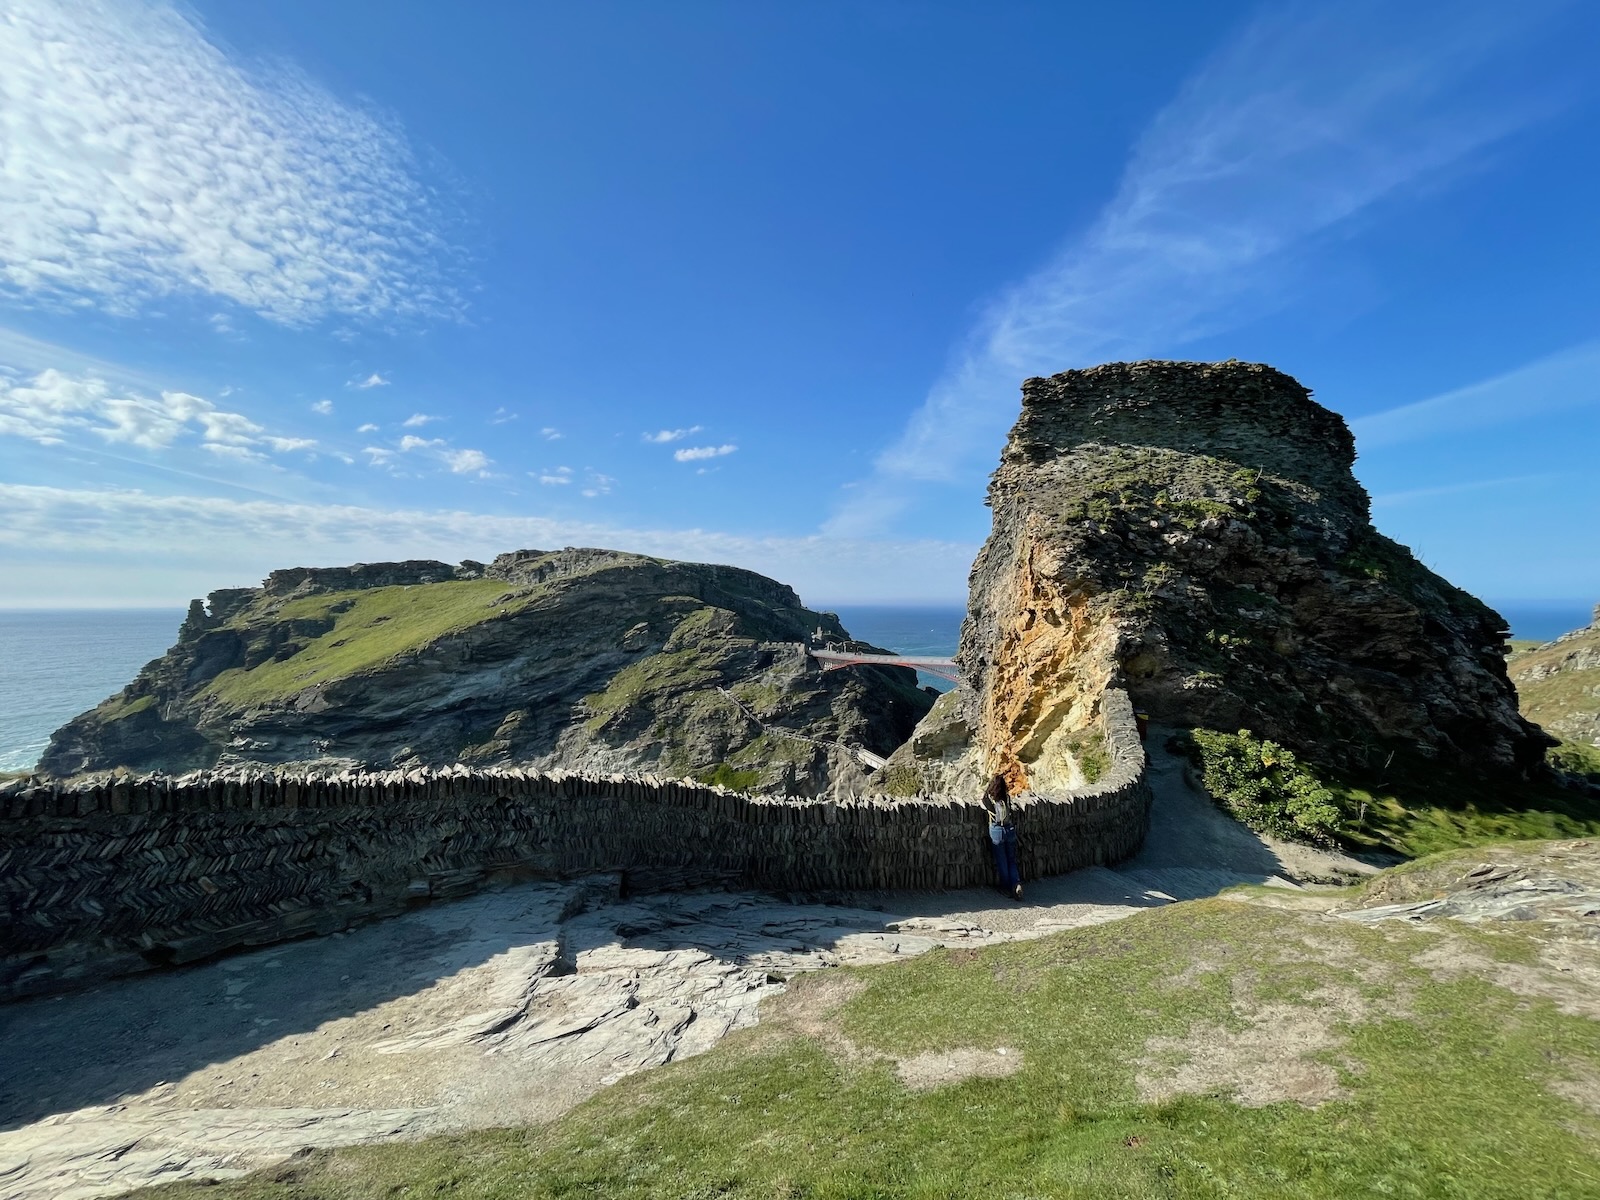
<point x="138" y="872"/>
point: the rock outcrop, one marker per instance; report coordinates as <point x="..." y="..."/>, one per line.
<point x="576" y="659"/>
<point x="1194" y="532"/>
<point x="1558" y="684"/>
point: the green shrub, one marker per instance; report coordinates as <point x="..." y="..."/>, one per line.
<point x="1265" y="786"/>
<point x="1575" y="758"/>
<point x="901" y="780"/>
<point x="729" y="776"/>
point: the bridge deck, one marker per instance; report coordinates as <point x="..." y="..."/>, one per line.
<point x="832" y="660"/>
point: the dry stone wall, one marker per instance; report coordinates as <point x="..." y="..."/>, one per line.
<point x="137" y="872"/>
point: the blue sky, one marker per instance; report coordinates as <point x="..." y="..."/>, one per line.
<point x="300" y="283"/>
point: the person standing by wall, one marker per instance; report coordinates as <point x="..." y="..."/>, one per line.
<point x="1003" y="835"/>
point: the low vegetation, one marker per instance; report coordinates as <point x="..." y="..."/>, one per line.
<point x="369" y="628"/>
<point x="1265" y="786"/>
<point x="1410" y="807"/>
<point x="1220" y="1048"/>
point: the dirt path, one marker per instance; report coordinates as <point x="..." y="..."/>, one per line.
<point x="505" y="1008"/>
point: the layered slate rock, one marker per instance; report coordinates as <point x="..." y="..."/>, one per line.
<point x="1194" y="531"/>
<point x="576" y="659"/>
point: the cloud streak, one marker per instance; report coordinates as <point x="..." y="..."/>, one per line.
<point x="1569" y="379"/>
<point x="216" y="542"/>
<point x="1301" y="122"/>
<point x="140" y="161"/>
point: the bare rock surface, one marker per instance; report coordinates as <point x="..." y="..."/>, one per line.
<point x="505" y="1008"/>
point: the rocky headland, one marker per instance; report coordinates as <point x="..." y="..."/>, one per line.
<point x="1558" y="684"/>
<point x="1194" y="532"/>
<point x="581" y="660"/>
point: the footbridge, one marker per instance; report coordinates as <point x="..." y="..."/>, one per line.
<point x="832" y="660"/>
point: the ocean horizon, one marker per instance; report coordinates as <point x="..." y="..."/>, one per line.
<point x="57" y="663"/>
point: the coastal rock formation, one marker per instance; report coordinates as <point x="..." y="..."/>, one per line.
<point x="576" y="659"/>
<point x="1193" y="531"/>
<point x="1558" y="684"/>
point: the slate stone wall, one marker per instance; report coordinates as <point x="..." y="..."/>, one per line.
<point x="119" y="877"/>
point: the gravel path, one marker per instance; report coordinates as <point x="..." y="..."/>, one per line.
<point x="505" y="1008"/>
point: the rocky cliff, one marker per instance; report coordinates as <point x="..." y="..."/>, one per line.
<point x="1558" y="685"/>
<point x="1194" y="531"/>
<point x="579" y="659"/>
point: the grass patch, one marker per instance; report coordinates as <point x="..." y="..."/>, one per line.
<point x="728" y="776"/>
<point x="674" y="670"/>
<point x="1442" y="1088"/>
<point x="370" y="627"/>
<point x="117" y="709"/>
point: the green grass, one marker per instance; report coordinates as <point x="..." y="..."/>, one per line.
<point x="674" y="670"/>
<point x="370" y="627"/>
<point x="118" y="709"/>
<point x="1446" y="1086"/>
<point x="728" y="776"/>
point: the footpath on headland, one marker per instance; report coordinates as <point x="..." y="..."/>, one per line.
<point x="506" y="1007"/>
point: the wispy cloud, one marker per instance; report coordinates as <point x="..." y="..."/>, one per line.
<point x="412" y="442"/>
<point x="598" y="484"/>
<point x="323" y="408"/>
<point x="54" y="407"/>
<point x="371" y="381"/>
<point x="695" y="453"/>
<point x="1570" y="379"/>
<point x="369" y="427"/>
<point x="1303" y="120"/>
<point x="671" y="435"/>
<point x="502" y="415"/>
<point x="1413" y="495"/>
<point x="210" y="542"/>
<point x="143" y="161"/>
<point x="417" y="421"/>
<point x="559" y="477"/>
<point x="551" y="434"/>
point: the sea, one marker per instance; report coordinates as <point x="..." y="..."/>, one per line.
<point x="56" y="664"/>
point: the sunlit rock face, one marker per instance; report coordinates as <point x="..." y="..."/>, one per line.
<point x="1193" y="531"/>
<point x="592" y="660"/>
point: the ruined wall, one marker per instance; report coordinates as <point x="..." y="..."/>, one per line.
<point x="109" y="879"/>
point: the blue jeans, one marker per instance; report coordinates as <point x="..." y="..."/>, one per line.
<point x="1004" y="842"/>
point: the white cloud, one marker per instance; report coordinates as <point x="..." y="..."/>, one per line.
<point x="1570" y="379"/>
<point x="378" y="456"/>
<point x="1302" y="121"/>
<point x="694" y="453"/>
<point x="412" y="442"/>
<point x="467" y="462"/>
<point x="501" y="416"/>
<point x="142" y="161"/>
<point x="559" y="477"/>
<point x="371" y="381"/>
<point x="323" y="407"/>
<point x="671" y="435"/>
<point x="417" y="421"/>
<point x="205" y="543"/>
<point x="53" y="406"/>
<point x="551" y="434"/>
<point x="598" y="484"/>
<point x="369" y="427"/>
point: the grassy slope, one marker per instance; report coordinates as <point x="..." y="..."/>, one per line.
<point x="378" y="625"/>
<point x="1447" y="1083"/>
